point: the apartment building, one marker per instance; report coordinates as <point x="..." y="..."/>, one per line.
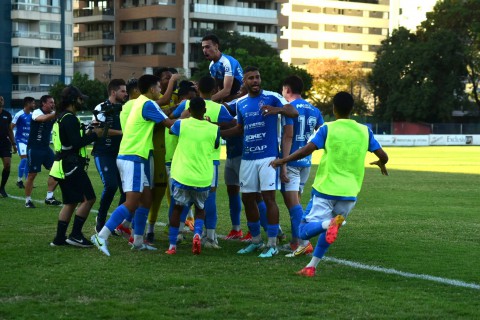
<point x="125" y="38"/>
<point x="36" y="47"/>
<point x="350" y="30"/>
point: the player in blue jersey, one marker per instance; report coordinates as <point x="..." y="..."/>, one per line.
<point x="7" y="142"/>
<point x="21" y="121"/>
<point x="134" y="161"/>
<point x="258" y="115"/>
<point x="226" y="70"/>
<point x="339" y="175"/>
<point x="105" y="149"/>
<point x="294" y="174"/>
<point x="39" y="151"/>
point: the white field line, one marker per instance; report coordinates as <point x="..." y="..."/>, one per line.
<point x="357" y="265"/>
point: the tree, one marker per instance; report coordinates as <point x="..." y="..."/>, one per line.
<point x="94" y="89"/>
<point x="462" y="17"/>
<point x="333" y="75"/>
<point x="251" y="51"/>
<point x="418" y="78"/>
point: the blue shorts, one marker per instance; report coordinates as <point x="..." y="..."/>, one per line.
<point x="38" y="156"/>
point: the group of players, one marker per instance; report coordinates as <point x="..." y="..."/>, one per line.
<point x="157" y="146"/>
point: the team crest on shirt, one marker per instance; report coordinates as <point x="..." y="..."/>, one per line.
<point x="261" y="104"/>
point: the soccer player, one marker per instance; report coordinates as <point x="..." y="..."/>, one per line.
<point x="339" y="175"/>
<point x="258" y="122"/>
<point x="192" y="170"/>
<point x="219" y="115"/>
<point x="168" y="82"/>
<point x="294" y="174"/>
<point x="226" y="70"/>
<point x="7" y="142"/>
<point x="133" y="163"/>
<point x="105" y="149"/>
<point x="69" y="168"/>
<point x="38" y="150"/>
<point x="21" y="121"/>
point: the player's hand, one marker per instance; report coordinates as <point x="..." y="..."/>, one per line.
<point x="175" y="77"/>
<point x="276" y="163"/>
<point x="269" y="110"/>
<point x="283" y="174"/>
<point x="382" y="167"/>
<point x="14" y="149"/>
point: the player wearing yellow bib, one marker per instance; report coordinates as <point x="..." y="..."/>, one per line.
<point x="165" y="101"/>
<point x="192" y="169"/>
<point x="339" y="175"/>
<point x="135" y="150"/>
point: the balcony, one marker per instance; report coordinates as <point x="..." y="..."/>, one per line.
<point x="21" y="6"/>
<point x="35" y="65"/>
<point x="230" y="13"/>
<point x="36" y="35"/>
<point x="94" y="38"/>
<point x="94" y="58"/>
<point x="36" y="61"/>
<point x="87" y="15"/>
<point x="270" y="38"/>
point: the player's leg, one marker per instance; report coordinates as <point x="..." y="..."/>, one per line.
<point x="22" y="165"/>
<point x="6" y="155"/>
<point x="231" y="176"/>
<point x="108" y="171"/>
<point x="160" y="180"/>
<point x="47" y="161"/>
<point x="211" y="212"/>
<point x="34" y="166"/>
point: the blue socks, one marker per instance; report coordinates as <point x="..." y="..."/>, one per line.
<point x="321" y="247"/>
<point x="140" y="218"/>
<point x="272" y="230"/>
<point x="310" y="229"/>
<point x="296" y="213"/>
<point x="254" y="228"/>
<point x="23" y="168"/>
<point x="262" y="209"/>
<point x="198" y="226"/>
<point x="235" y="203"/>
<point x="117" y="217"/>
<point x="172" y="235"/>
<point x="211" y="210"/>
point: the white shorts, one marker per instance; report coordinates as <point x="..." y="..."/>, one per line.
<point x="258" y="175"/>
<point x="21" y="149"/>
<point x="168" y="167"/>
<point x="320" y="209"/>
<point x="187" y="197"/>
<point x="298" y="177"/>
<point x="232" y="171"/>
<point x="214" y="183"/>
<point x="134" y="175"/>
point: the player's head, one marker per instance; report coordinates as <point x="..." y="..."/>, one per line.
<point x="132" y="88"/>
<point x="70" y="97"/>
<point x="252" y="80"/>
<point x="207" y="85"/>
<point x="164" y="74"/>
<point x="47" y="103"/>
<point x="197" y="108"/>
<point x="210" y="44"/>
<point x="292" y="85"/>
<point x="149" y="85"/>
<point x="186" y="90"/>
<point x="29" y="104"/>
<point x="342" y="104"/>
<point x="117" y="90"/>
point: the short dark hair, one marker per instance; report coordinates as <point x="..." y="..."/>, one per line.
<point x="212" y="38"/>
<point x="206" y="84"/>
<point x="28" y="100"/>
<point x="250" y="69"/>
<point x="115" y="84"/>
<point x="44" y="98"/>
<point x="197" y="105"/>
<point x="185" y="87"/>
<point x="172" y="70"/>
<point x="69" y="96"/>
<point x="343" y="103"/>
<point x="131" y="85"/>
<point x="295" y="83"/>
<point x="159" y="71"/>
<point x="147" y="81"/>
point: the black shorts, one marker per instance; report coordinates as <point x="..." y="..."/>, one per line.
<point x="76" y="188"/>
<point x="5" y="151"/>
<point x="38" y="156"/>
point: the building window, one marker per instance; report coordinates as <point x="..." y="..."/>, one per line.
<point x="331" y="28"/>
<point x="174" y="23"/>
<point x="352" y="29"/>
<point x="68" y="56"/>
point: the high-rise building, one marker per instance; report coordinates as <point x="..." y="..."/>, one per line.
<point x="124" y="38"/>
<point x="36" y="47"/>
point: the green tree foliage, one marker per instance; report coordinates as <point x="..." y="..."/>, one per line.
<point x="94" y="89"/>
<point x="463" y="18"/>
<point x="251" y="51"/>
<point x="418" y="77"/>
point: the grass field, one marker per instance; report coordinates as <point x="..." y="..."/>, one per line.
<point x="410" y="250"/>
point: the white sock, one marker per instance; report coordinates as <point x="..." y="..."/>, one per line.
<point x="325" y="224"/>
<point x="181" y="226"/>
<point x="303" y="243"/>
<point x="19" y="179"/>
<point x="104" y="233"/>
<point x="49" y="194"/>
<point x="257" y="239"/>
<point x="236" y="227"/>
<point x="28" y="199"/>
<point x="172" y="246"/>
<point x="272" y="242"/>
<point x="137" y="240"/>
<point x="314" y="262"/>
<point x="126" y="224"/>
<point x="211" y="234"/>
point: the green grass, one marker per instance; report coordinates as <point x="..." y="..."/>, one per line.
<point x="414" y="221"/>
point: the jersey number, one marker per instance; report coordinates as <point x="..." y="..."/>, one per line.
<point x="311" y="122"/>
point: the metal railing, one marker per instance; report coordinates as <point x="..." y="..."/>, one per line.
<point x="37" y="35"/>
<point x="30" y="87"/>
<point x="77" y="13"/>
<point x="93" y="35"/>
<point x="34" y="7"/>
<point x="36" y="61"/>
<point x="94" y="58"/>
